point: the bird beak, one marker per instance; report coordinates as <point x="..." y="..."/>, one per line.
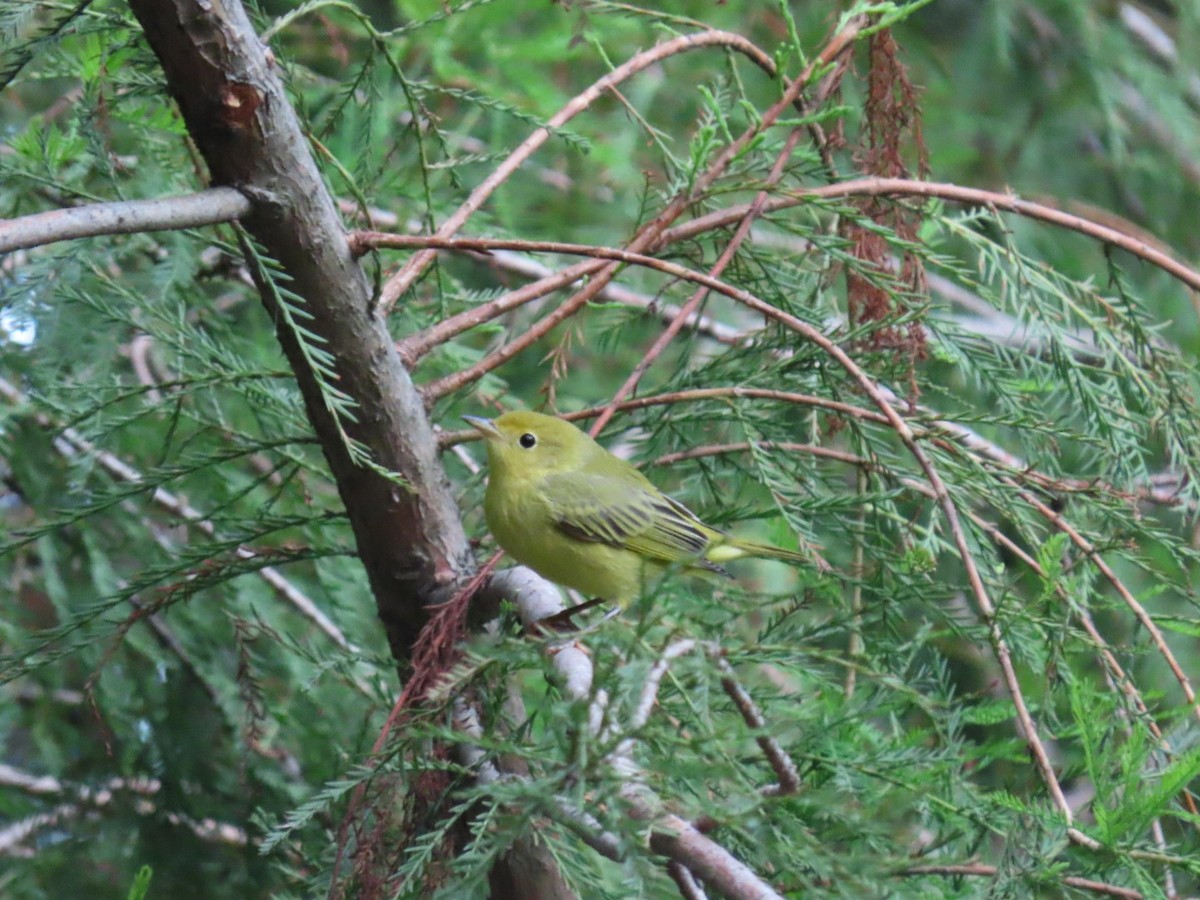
<point x="485" y="427"/>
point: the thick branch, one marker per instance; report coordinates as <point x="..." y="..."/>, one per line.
<point x="411" y="540"/>
<point x="409" y="537"/>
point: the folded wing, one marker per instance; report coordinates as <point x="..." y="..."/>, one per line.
<point x="601" y="509"/>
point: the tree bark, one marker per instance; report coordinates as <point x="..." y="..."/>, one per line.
<point x="411" y="541"/>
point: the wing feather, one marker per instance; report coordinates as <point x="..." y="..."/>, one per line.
<point x="625" y="514"/>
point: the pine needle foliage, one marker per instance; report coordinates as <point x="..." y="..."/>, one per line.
<point x="984" y="687"/>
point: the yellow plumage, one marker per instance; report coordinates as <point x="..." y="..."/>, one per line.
<point x="561" y="504"/>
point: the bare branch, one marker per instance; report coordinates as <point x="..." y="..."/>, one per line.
<point x="705" y="858"/>
<point x="222" y="204"/>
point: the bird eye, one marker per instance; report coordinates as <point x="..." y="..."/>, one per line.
<point x="528" y="441"/>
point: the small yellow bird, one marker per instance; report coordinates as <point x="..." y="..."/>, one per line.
<point x="561" y="504"/>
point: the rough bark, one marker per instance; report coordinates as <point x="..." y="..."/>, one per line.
<point x="224" y="80"/>
<point x="411" y="541"/>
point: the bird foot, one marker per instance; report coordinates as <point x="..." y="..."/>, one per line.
<point x="561" y="622"/>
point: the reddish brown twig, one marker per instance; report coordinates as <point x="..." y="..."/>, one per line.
<point x="402" y="280"/>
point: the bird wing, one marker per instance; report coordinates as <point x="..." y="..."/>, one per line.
<point x="604" y="510"/>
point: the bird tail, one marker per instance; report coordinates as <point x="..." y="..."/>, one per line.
<point x="735" y="548"/>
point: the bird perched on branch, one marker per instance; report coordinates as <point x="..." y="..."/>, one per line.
<point x="561" y="504"/>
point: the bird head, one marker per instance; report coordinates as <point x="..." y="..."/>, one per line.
<point x="532" y="445"/>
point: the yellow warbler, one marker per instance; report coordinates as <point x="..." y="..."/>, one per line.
<point x="561" y="504"/>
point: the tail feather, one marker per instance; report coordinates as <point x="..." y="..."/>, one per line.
<point x="735" y="548"/>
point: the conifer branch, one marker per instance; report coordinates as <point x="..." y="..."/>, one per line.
<point x="209" y="207"/>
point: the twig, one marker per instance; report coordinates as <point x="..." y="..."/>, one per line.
<point x="450" y="438"/>
<point x="980" y="869"/>
<point x="649" y="694"/>
<point x="785" y="768"/>
<point x="669" y="459"/>
<point x="402" y="280"/>
<point x="415" y="346"/>
<point x="854" y="648"/>
<point x="689" y="888"/>
<point x="683" y="842"/>
<point x="15" y="834"/>
<point x="906" y="187"/>
<point x="177" y="506"/>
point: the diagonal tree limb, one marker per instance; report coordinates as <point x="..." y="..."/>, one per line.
<point x="411" y="541"/>
<point x="408" y="531"/>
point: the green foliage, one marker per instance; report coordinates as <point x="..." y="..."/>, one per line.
<point x="167" y="510"/>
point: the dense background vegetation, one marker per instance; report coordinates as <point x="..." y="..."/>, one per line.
<point x="981" y="422"/>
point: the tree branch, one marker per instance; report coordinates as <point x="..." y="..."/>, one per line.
<point x="411" y="541"/>
<point x="222" y="204"/>
<point x="403" y="280"/>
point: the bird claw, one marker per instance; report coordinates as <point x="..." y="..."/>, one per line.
<point x="561" y="622"/>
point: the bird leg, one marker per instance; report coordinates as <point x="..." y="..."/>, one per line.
<point x="561" y="621"/>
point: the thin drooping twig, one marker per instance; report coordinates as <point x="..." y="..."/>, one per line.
<point x="648" y="238"/>
<point x="907" y="187"/>
<point x="854" y="648"/>
<point x="455" y="381"/>
<point x="209" y="207"/>
<point x="122" y="471"/>
<point x="402" y="280"/>
<point x="979" y="317"/>
<point x="986" y="871"/>
<point x="949" y="509"/>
